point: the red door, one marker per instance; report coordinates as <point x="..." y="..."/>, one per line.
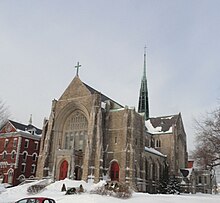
<point x="114" y="171"/>
<point x="63" y="170"/>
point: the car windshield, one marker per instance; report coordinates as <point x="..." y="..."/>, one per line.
<point x="35" y="200"/>
<point x="29" y="200"/>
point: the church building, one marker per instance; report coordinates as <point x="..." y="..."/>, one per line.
<point x="90" y="136"/>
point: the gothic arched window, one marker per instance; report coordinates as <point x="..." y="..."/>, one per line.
<point x="75" y="131"/>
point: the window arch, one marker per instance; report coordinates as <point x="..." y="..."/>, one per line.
<point x="157" y="170"/>
<point x="34" y="156"/>
<point x="151" y="169"/>
<point x="21" y="178"/>
<point x="32" y="177"/>
<point x="13" y="154"/>
<point x="24" y="156"/>
<point x="4" y="155"/>
<point x="23" y="167"/>
<point x="33" y="168"/>
<point x="75" y="131"/>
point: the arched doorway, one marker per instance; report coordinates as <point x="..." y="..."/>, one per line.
<point x="114" y="172"/>
<point x="63" y="170"/>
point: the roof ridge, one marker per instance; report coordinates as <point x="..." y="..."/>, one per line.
<point x="104" y="97"/>
<point x="172" y="115"/>
<point x="22" y="126"/>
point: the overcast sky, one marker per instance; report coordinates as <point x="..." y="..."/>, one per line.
<point x="41" y="42"/>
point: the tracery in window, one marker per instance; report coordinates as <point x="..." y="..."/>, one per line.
<point x="75" y="131"/>
<point x="158" y="143"/>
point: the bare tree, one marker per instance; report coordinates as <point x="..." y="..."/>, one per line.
<point x="4" y="113"/>
<point x="207" y="151"/>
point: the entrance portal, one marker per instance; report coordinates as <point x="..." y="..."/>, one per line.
<point x="63" y="170"/>
<point x="114" y="173"/>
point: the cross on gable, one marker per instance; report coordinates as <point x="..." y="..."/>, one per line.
<point x="77" y="68"/>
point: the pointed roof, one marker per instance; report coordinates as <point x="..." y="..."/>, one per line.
<point x="143" y="105"/>
<point x="163" y="124"/>
<point x="77" y="88"/>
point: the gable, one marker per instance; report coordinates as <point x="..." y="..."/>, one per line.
<point x="75" y="89"/>
<point x="12" y="126"/>
<point x="7" y="128"/>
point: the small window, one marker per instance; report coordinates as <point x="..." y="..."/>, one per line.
<point x="36" y="145"/>
<point x="33" y="168"/>
<point x="26" y="143"/>
<point x="4" y="155"/>
<point x="200" y="179"/>
<point x="15" y="142"/>
<point x="24" y="156"/>
<point x="34" y="157"/>
<point x="13" y="155"/>
<point x="115" y="140"/>
<point x="158" y="143"/>
<point x="6" y="143"/>
<point x="23" y="166"/>
<point x="205" y="180"/>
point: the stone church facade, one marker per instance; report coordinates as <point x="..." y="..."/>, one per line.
<point x="89" y="136"/>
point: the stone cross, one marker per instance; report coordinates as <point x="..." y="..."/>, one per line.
<point x="77" y="68"/>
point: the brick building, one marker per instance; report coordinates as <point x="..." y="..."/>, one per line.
<point x="19" y="150"/>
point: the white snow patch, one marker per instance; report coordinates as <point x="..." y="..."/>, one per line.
<point x="154" y="151"/>
<point x="53" y="190"/>
<point x="158" y="130"/>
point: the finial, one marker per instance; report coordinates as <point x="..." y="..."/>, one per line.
<point x="77" y="68"/>
<point x="30" y="120"/>
<point x="145" y="49"/>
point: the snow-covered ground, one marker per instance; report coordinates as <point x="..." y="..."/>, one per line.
<point x="54" y="191"/>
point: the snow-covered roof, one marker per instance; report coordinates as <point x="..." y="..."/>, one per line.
<point x="154" y="151"/>
<point x="161" y="125"/>
<point x="25" y="128"/>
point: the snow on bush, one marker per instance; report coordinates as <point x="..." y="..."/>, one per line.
<point x="114" y="189"/>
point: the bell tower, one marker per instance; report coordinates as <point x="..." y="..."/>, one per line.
<point x="143" y="106"/>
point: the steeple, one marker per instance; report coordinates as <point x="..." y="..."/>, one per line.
<point x="143" y="106"/>
<point x="30" y="120"/>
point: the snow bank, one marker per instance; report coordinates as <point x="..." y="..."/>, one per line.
<point x="54" y="191"/>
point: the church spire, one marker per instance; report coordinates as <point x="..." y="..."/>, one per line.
<point x="143" y="106"/>
<point x="30" y="120"/>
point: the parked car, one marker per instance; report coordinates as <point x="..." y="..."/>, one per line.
<point x="36" y="200"/>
